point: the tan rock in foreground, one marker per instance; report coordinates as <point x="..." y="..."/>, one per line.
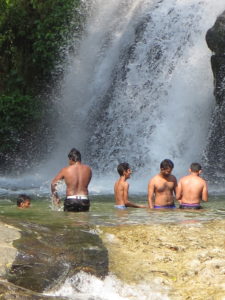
<point x="188" y="258"/>
<point x="8" y="253"/>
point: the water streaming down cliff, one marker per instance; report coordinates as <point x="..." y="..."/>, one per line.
<point x="141" y="87"/>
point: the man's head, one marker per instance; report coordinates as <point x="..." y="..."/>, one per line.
<point x="195" y="168"/>
<point x="166" y="167"/>
<point x="23" y="201"/>
<point x="74" y="155"/>
<point x="124" y="169"/>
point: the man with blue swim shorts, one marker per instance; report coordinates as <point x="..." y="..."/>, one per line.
<point x="162" y="187"/>
<point x="192" y="189"/>
<point x="121" y="188"/>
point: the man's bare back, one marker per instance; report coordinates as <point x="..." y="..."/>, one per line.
<point x="77" y="177"/>
<point x="192" y="188"/>
<point x="162" y="187"/>
<point x="121" y="188"/>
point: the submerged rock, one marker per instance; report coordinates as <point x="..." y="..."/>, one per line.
<point x="9" y="291"/>
<point x="48" y="254"/>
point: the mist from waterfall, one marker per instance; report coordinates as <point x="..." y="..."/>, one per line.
<point x="139" y="89"/>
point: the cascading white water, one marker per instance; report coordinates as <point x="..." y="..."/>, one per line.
<point x="140" y="89"/>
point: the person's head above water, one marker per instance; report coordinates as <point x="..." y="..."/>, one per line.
<point x="166" y="167"/>
<point x="122" y="168"/>
<point x="166" y="164"/>
<point x="23" y="201"/>
<point x="74" y="155"/>
<point x="195" y="167"/>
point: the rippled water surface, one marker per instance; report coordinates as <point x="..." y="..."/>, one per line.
<point x="102" y="212"/>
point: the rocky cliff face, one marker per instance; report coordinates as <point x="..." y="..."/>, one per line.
<point x="215" y="39"/>
<point x="215" y="152"/>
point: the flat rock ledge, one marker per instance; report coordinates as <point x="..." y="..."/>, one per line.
<point x="185" y="261"/>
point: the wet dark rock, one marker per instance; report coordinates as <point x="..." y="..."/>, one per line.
<point x="215" y="39"/>
<point x="9" y="291"/>
<point x="215" y="150"/>
<point x="48" y="255"/>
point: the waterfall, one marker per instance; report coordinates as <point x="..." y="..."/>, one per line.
<point x="139" y="89"/>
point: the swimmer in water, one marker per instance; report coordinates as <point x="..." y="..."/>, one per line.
<point x="23" y="201"/>
<point x="162" y="187"/>
<point x="121" y="188"/>
<point x="192" y="189"/>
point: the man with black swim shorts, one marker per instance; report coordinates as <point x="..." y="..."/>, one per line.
<point x="192" y="189"/>
<point x="77" y="177"/>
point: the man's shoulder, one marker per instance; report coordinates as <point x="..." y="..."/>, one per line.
<point x="86" y="167"/>
<point x="155" y="177"/>
<point x="184" y="178"/>
<point x="172" y="177"/>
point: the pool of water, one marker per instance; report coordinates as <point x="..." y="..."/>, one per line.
<point x="102" y="212"/>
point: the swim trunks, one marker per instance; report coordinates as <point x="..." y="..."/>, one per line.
<point x="77" y="203"/>
<point x="164" y="206"/>
<point x="190" y="206"/>
<point x="120" y="206"/>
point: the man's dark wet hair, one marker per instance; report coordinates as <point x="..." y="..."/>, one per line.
<point x="195" y="167"/>
<point x="122" y="167"/>
<point x="166" y="164"/>
<point x="74" y="155"/>
<point x="22" y="198"/>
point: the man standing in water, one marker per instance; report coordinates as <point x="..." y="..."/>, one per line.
<point x="192" y="188"/>
<point x="162" y="187"/>
<point x="77" y="177"/>
<point x="121" y="188"/>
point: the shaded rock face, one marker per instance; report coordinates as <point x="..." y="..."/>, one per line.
<point x="215" y="39"/>
<point x="215" y="150"/>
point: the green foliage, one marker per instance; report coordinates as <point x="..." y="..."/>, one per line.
<point x="32" y="32"/>
<point x="19" y="116"/>
<point x="33" y="36"/>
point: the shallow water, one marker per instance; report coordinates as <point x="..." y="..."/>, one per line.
<point x="102" y="212"/>
<point x="75" y="273"/>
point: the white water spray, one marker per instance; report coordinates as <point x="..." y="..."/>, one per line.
<point x="142" y="86"/>
<point x="83" y="286"/>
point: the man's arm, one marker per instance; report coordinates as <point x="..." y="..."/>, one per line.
<point x="127" y="203"/>
<point x="205" y="192"/>
<point x="151" y="188"/>
<point x="54" y="183"/>
<point x="175" y="186"/>
<point x="179" y="191"/>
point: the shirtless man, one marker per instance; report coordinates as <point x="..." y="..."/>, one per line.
<point x="77" y="177"/>
<point x="162" y="187"/>
<point x="192" y="188"/>
<point x="121" y="188"/>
